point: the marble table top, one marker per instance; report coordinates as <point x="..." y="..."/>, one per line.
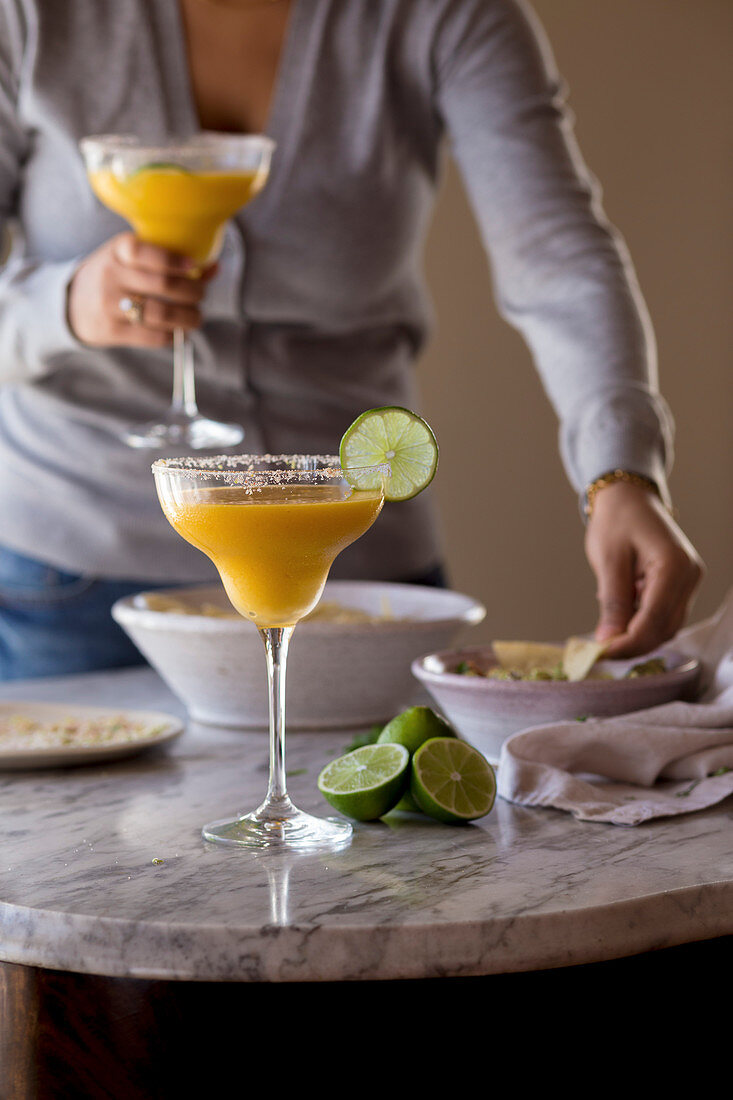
<point x="103" y="870"/>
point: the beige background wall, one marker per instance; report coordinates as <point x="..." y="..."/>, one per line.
<point x="651" y="87"/>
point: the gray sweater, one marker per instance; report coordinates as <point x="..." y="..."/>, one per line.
<point x="319" y="309"/>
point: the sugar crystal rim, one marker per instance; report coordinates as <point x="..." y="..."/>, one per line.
<point x="282" y="467"/>
<point x="205" y="141"/>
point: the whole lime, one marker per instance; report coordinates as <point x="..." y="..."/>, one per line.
<point x="413" y="727"/>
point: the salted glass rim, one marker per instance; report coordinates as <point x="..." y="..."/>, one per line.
<point x="206" y="141"/>
<point x="281" y="466"/>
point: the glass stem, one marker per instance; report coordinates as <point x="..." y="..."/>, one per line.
<point x="184" y="386"/>
<point x="276" y="640"/>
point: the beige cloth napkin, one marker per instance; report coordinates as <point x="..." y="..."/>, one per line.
<point x="669" y="759"/>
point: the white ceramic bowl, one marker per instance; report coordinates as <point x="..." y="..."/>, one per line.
<point x="486" y="711"/>
<point x="339" y="674"/>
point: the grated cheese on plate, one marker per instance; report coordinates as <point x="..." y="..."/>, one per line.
<point x="20" y="732"/>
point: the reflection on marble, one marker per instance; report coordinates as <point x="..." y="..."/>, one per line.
<point x="103" y="870"/>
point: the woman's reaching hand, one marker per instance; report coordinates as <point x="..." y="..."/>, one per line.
<point x="646" y="569"/>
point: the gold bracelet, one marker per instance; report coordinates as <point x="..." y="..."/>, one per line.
<point x="611" y="478"/>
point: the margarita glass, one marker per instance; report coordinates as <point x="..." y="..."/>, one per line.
<point x="180" y="195"/>
<point x="272" y="525"/>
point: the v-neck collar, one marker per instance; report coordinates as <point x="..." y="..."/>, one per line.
<point x="286" y="100"/>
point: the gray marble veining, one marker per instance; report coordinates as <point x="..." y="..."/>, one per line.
<point x="103" y="870"/>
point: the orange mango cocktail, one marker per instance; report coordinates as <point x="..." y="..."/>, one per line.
<point x="178" y="209"/>
<point x="273" y="546"/>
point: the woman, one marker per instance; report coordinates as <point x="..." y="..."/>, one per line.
<point x="316" y="310"/>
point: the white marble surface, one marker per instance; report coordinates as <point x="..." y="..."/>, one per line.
<point x="523" y="889"/>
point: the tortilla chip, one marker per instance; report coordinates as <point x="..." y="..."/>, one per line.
<point x="580" y="655"/>
<point x="525" y="656"/>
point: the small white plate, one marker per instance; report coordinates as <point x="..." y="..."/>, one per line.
<point x="163" y="728"/>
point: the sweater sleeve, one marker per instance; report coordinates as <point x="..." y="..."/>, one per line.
<point x="562" y="275"/>
<point x="33" y="324"/>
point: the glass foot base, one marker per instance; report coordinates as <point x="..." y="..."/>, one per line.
<point x="297" y="831"/>
<point x="196" y="433"/>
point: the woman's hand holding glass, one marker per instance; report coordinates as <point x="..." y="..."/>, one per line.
<point x="168" y="287"/>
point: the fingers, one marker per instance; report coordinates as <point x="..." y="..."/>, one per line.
<point x="158" y="284"/>
<point x="134" y="253"/>
<point x="159" y="314"/>
<point x="654" y="621"/>
<point x="663" y="604"/>
<point x="646" y="569"/>
<point x="169" y="287"/>
<point x="138" y="336"/>
<point x="161" y="263"/>
<point x="664" y="595"/>
<point x="144" y="270"/>
<point x="616" y="595"/>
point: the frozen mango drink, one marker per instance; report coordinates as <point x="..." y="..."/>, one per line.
<point x="175" y="207"/>
<point x="179" y="195"/>
<point x="273" y="526"/>
<point x="273" y="546"/>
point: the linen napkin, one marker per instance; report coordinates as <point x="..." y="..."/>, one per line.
<point x="666" y="760"/>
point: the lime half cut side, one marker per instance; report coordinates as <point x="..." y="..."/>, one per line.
<point x="366" y="783"/>
<point x="452" y="781"/>
<point x="397" y="437"/>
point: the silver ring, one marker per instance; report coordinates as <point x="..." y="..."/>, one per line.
<point x="132" y="309"/>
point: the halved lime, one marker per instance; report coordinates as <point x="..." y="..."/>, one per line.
<point x="452" y="781"/>
<point x="366" y="783"/>
<point x="391" y="435"/>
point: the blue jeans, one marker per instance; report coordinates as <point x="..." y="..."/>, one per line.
<point x="53" y="623"/>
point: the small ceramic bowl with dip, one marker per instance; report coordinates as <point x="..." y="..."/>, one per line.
<point x="485" y="711"/>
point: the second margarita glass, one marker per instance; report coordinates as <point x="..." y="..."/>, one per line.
<point x="179" y="195"/>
